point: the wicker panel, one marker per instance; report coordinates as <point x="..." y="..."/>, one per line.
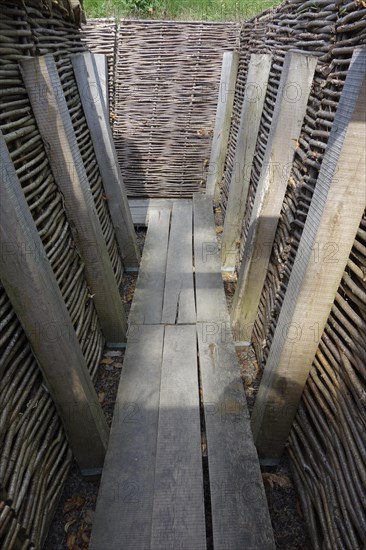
<point x="327" y="445"/>
<point x="167" y="78"/>
<point x="34" y="456"/>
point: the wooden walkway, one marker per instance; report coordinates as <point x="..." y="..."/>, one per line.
<point x="181" y="470"/>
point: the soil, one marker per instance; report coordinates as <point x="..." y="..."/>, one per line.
<point x="72" y="523"/>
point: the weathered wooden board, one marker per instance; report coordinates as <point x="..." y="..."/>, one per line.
<point x="297" y="75"/>
<point x="179" y="302"/>
<point x="141" y="208"/>
<point x="240" y="517"/>
<point x="225" y="101"/>
<point x="123" y="516"/>
<point x="178" y="513"/>
<point x="98" y="121"/>
<point x="334" y="215"/>
<point x="254" y="95"/>
<point x="101" y="64"/>
<point x="30" y="283"/>
<point x="50" y="108"/>
<point x="210" y="295"/>
<point x="147" y="305"/>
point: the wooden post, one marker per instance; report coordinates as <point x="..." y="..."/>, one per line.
<point x="98" y="121"/>
<point x="101" y="65"/>
<point x="54" y="122"/>
<point x="295" y="84"/>
<point x="336" y="210"/>
<point x="255" y="92"/>
<point x="32" y="288"/>
<point x="229" y="71"/>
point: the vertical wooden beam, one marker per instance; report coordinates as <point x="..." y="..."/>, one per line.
<point x="336" y="210"/>
<point x="292" y="97"/>
<point x="101" y="66"/>
<point x="229" y="71"/>
<point x="255" y="92"/>
<point x="98" y="121"/>
<point x="32" y="288"/>
<point x="54" y="122"/>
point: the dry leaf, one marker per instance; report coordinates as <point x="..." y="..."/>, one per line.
<point x="70" y="541"/>
<point x="106" y="361"/>
<point x="101" y="396"/>
<point x="276" y="479"/>
<point x="118" y="365"/>
<point x="67" y="525"/>
<point x="74" y="502"/>
<point x="89" y="516"/>
<point x="85" y="537"/>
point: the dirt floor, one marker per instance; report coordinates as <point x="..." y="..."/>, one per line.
<point x="72" y="524"/>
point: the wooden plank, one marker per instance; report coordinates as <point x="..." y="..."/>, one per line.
<point x="101" y="66"/>
<point x="333" y="219"/>
<point x="123" y="517"/>
<point x="250" y="117"/>
<point x="141" y="208"/>
<point x="147" y="305"/>
<point x="98" y="121"/>
<point x="225" y="101"/>
<point x="240" y="517"/>
<point x="178" y="512"/>
<point x="295" y="84"/>
<point x="29" y="281"/>
<point x="179" y="303"/>
<point x="210" y="295"/>
<point x="50" y="109"/>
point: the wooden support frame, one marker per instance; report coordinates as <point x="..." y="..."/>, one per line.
<point x="49" y="106"/>
<point x="254" y="95"/>
<point x="97" y="117"/>
<point x="333" y="219"/>
<point x="101" y="66"/>
<point x="225" y="102"/>
<point x="292" y="97"/>
<point x="32" y="288"/>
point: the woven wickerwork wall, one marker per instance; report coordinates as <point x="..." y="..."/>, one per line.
<point x="34" y="454"/>
<point x="35" y="457"/>
<point x="167" y="78"/>
<point x="100" y="36"/>
<point x="327" y="445"/>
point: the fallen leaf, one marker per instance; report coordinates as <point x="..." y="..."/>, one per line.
<point x="67" y="525"/>
<point x="70" y="541"/>
<point x="85" y="537"/>
<point x="118" y="365"/>
<point x="106" y="361"/>
<point x="74" y="502"/>
<point x="89" y="516"/>
<point x="101" y="396"/>
<point x="276" y="479"/>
